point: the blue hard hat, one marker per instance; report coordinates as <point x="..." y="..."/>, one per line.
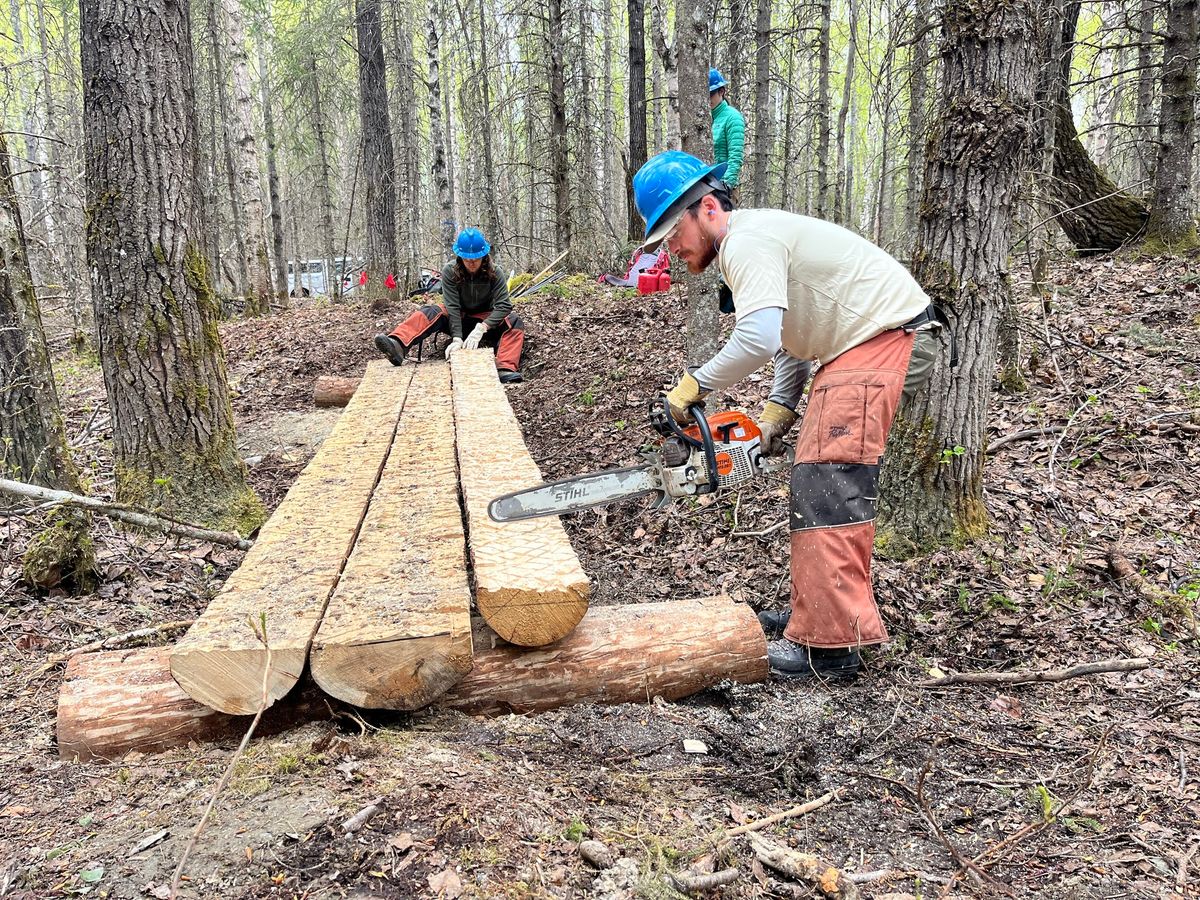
<point x="716" y="80"/>
<point x="471" y="244"/>
<point x="669" y="177"/>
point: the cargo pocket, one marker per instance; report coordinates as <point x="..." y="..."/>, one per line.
<point x="840" y="434"/>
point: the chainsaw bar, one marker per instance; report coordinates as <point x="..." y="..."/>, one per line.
<point x="554" y="498"/>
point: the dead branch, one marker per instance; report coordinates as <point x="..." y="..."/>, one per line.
<point x="829" y="880"/>
<point x="360" y="818"/>
<point x="780" y="816"/>
<point x="695" y="884"/>
<point x="1039" y="676"/>
<point x="130" y="515"/>
<point x="120" y="641"/>
<point x="1024" y="435"/>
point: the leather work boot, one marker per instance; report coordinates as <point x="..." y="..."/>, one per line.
<point x="391" y="348"/>
<point x="773" y="621"/>
<point x="788" y="659"/>
<point x="508" y="376"/>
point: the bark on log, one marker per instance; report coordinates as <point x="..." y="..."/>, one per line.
<point x="117" y="701"/>
<point x="529" y="585"/>
<point x="334" y="390"/>
<point x="121" y="700"/>
<point x="294" y="566"/>
<point x="397" y="632"/>
<point x="619" y="654"/>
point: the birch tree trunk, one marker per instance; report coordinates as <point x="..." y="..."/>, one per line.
<point x="379" y="165"/>
<point x="437" y="143"/>
<point x="763" y="118"/>
<point x="156" y="313"/>
<point x="249" y="184"/>
<point x="933" y="470"/>
<point x="666" y="51"/>
<point x="35" y="446"/>
<point x="636" y="10"/>
<point x="1172" y="217"/>
<point x="491" y="202"/>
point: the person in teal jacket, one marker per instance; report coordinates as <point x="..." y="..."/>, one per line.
<point x="729" y="129"/>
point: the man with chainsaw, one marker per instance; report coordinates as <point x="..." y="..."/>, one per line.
<point x="475" y="310"/>
<point x="804" y="291"/>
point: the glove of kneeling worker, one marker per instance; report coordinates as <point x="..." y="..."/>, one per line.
<point x="774" y="423"/>
<point x="453" y="347"/>
<point x="476" y="335"/>
<point x="683" y="395"/>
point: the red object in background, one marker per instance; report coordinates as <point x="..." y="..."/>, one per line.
<point x="650" y="281"/>
<point x="390" y="282"/>
<point x="664" y="281"/>
<point x="362" y="279"/>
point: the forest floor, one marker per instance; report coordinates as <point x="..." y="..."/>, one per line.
<point x="1086" y="788"/>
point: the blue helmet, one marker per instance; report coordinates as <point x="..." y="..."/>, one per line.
<point x="716" y="80"/>
<point x="667" y="185"/>
<point x="471" y="244"/>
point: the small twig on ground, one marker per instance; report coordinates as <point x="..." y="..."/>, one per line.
<point x="888" y="874"/>
<point x="1040" y="675"/>
<point x="771" y="530"/>
<point x="360" y="818"/>
<point x="964" y="863"/>
<point x="694" y="884"/>
<point x="260" y="630"/>
<point x="1181" y="881"/>
<point x="798" y="810"/>
<point x="127" y="514"/>
<point x="1023" y="435"/>
<point x="119" y="641"/>
<point x="805" y="867"/>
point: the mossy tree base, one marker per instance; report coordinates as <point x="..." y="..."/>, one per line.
<point x="61" y="554"/>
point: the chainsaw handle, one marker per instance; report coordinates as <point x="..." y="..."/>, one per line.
<point x="664" y="423"/>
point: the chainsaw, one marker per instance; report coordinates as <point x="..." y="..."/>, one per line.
<point x="688" y="462"/>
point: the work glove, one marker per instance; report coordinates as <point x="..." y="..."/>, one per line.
<point x="453" y="347"/>
<point x="683" y="395"/>
<point x="774" y="423"/>
<point x="473" y="339"/>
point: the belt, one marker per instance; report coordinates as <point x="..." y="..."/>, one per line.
<point x="933" y="313"/>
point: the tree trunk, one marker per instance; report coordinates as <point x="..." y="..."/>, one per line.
<point x="324" y="174"/>
<point x="691" y="41"/>
<point x="408" y="194"/>
<point x="491" y="202"/>
<point x="558" y="128"/>
<point x="379" y="165"/>
<point x="1172" y="219"/>
<point x="823" y="111"/>
<point x="1094" y="213"/>
<point x="763" y="114"/>
<point x="333" y="390"/>
<point x="227" y="141"/>
<point x="441" y="179"/>
<point x="933" y="471"/>
<point x="637" y="110"/>
<point x="668" y="58"/>
<point x="279" y="254"/>
<point x="843" y="194"/>
<point x="249" y="185"/>
<point x="34" y="448"/>
<point x="1147" y="152"/>
<point x="156" y="313"/>
<point x="918" y="70"/>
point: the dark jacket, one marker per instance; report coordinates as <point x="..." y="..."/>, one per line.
<point x="474" y="294"/>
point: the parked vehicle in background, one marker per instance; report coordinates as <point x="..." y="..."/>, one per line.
<point x="311" y="280"/>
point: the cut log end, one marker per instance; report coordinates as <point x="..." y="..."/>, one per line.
<point x="334" y="390"/>
<point x="220" y="678"/>
<point x="405" y="674"/>
<point x="533" y="620"/>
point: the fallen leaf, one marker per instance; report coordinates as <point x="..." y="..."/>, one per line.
<point x="401" y="841"/>
<point x="159" y="891"/>
<point x="1008" y="705"/>
<point x="446" y="884"/>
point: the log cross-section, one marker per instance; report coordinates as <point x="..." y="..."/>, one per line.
<point x="397" y="632"/>
<point x="295" y="564"/>
<point x="529" y="585"/>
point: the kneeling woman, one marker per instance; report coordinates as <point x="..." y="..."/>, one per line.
<point x="474" y="303"/>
